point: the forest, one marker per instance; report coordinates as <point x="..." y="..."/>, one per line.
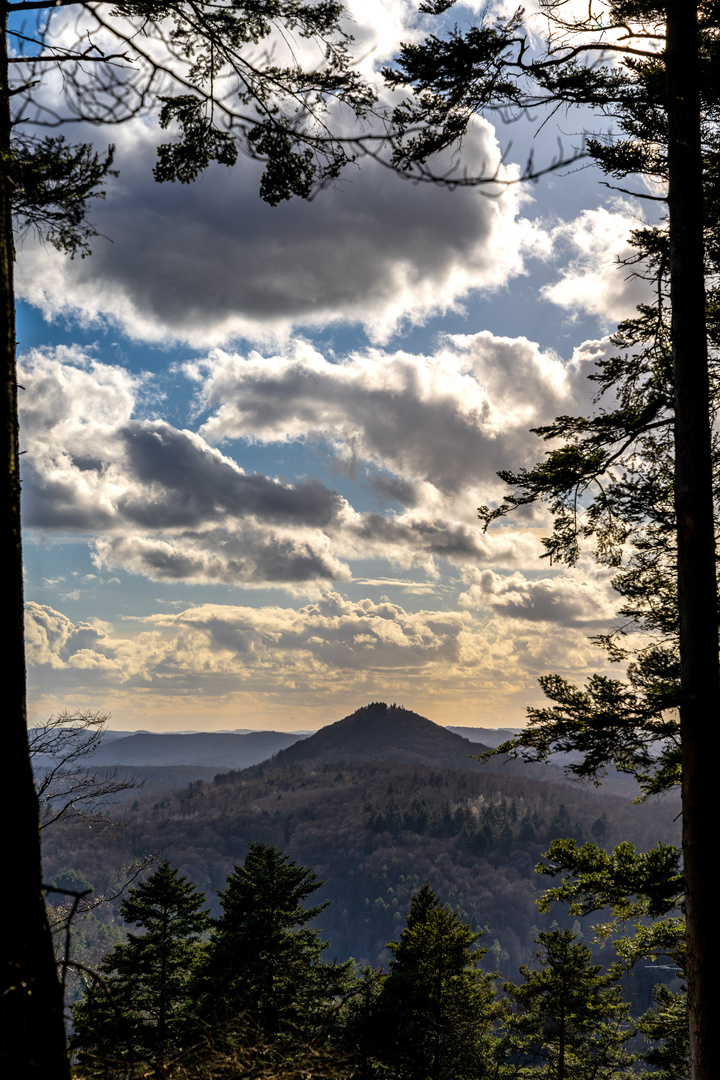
<point x="300" y="916"/>
<point x="251" y="992"/>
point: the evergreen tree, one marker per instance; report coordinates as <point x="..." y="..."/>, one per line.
<point x="436" y="1010"/>
<point x="665" y="1029"/>
<point x="653" y="68"/>
<point x="210" y="71"/>
<point x="143" y="1006"/>
<point x="265" y="963"/>
<point x="568" y="1021"/>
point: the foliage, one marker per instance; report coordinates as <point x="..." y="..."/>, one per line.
<point x="52" y="184"/>
<point x="643" y="893"/>
<point x="631" y="884"/>
<point x="141" y="1007"/>
<point x="436" y="1010"/>
<point x="665" y="1029"/>
<point x="265" y="78"/>
<point x="264" y="962"/>
<point x="567" y="1019"/>
<point x="609" y="478"/>
<point x="485" y="833"/>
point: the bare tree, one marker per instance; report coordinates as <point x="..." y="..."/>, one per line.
<point x="60" y="749"/>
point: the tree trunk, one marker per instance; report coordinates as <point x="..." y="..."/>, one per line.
<point x="32" y="1033"/>
<point x="697" y="584"/>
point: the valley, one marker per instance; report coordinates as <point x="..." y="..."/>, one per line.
<point x="375" y="804"/>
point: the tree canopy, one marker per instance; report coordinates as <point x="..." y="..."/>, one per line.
<point x="435" y="1012"/>
<point x="265" y="963"/>
<point x="652" y="69"/>
<point x="142" y="1006"/>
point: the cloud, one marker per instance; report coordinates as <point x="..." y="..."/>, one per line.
<point x="580" y="598"/>
<point x="448" y="420"/>
<point x="311" y="662"/>
<point x="427" y="432"/>
<point x="160" y="501"/>
<point x="595" y="282"/>
<point x="210" y="262"/>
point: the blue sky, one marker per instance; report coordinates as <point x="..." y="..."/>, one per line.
<point x="256" y="437"/>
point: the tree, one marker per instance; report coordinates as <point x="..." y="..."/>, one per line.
<point x="264" y="963"/>
<point x="652" y="67"/>
<point x="436" y="1009"/>
<point x="643" y="894"/>
<point x="59" y="750"/>
<point x="568" y="1020"/>
<point x="202" y="68"/>
<point x="142" y="1008"/>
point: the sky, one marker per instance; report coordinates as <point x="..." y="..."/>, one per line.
<point x="255" y="438"/>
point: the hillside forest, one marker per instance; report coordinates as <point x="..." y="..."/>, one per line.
<point x="413" y="907"/>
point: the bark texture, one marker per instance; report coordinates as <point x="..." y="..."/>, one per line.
<point x="32" y="1033"/>
<point x="696" y="570"/>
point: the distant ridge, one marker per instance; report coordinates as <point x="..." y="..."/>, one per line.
<point x="210" y="749"/>
<point x="488" y="736"/>
<point x="380" y="732"/>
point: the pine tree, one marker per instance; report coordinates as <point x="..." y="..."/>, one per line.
<point x="143" y="1007"/>
<point x="265" y="963"/>
<point x="436" y="1009"/>
<point x="568" y="1021"/>
<point x="652" y="68"/>
<point x="211" y="71"/>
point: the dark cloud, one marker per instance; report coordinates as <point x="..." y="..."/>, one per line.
<point x="238" y="554"/>
<point x="210" y="260"/>
<point x="573" y="599"/>
<point x="189" y="483"/>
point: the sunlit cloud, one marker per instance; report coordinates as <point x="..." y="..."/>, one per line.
<point x="447" y="664"/>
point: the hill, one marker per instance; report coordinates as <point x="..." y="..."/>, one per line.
<point x="207" y="749"/>
<point x="374" y="831"/>
<point x="390" y="733"/>
<point x="380" y="732"/>
<point x="487" y="736"/>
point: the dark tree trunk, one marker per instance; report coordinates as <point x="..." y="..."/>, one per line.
<point x="32" y="1033"/>
<point x="697" y="584"/>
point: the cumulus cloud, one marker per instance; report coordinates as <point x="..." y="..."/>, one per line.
<point x="446" y="422"/>
<point x="159" y="500"/>
<point x="323" y="656"/>
<point x="164" y="503"/>
<point x="577" y="598"/>
<point x="211" y="262"/>
<point x="594" y="281"/>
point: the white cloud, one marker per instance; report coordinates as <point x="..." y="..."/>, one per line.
<point x="581" y="597"/>
<point x="428" y="432"/>
<point x="442" y="424"/>
<point x="316" y="659"/>
<point x="594" y="281"/>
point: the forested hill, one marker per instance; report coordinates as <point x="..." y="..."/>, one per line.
<point x="219" y="748"/>
<point x="374" y="831"/>
<point x="380" y="732"/>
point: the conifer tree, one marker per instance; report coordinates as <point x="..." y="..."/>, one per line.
<point x="265" y="963"/>
<point x="568" y="1021"/>
<point x="143" y="1007"/>
<point x="436" y="1010"/>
